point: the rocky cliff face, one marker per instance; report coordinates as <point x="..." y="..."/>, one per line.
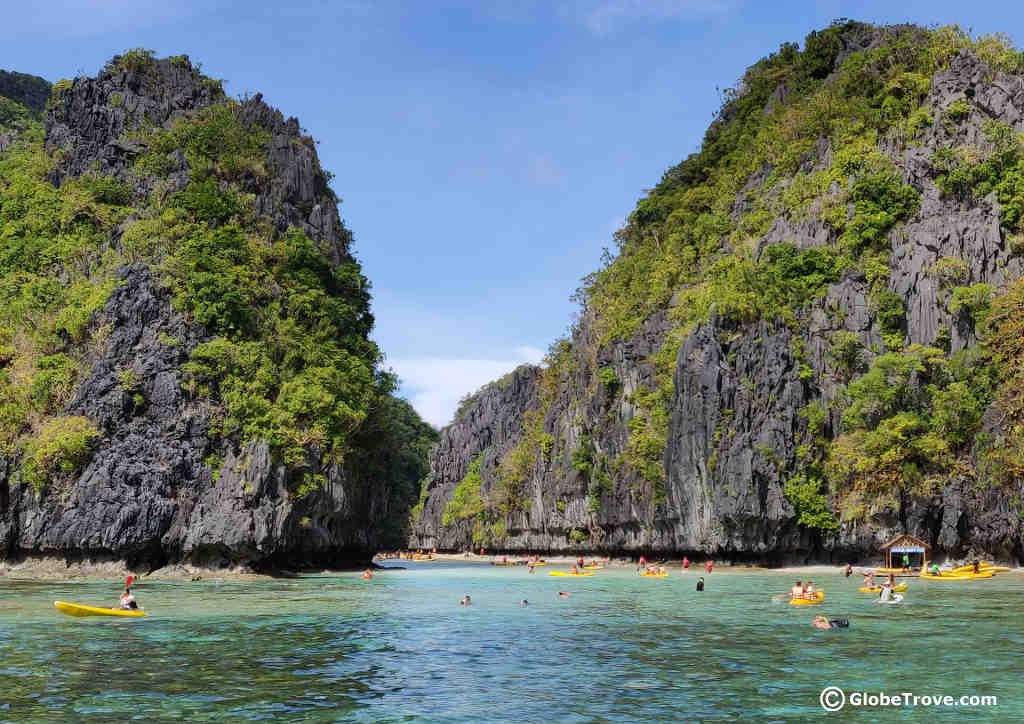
<point x="161" y="484"/>
<point x="736" y="430"/>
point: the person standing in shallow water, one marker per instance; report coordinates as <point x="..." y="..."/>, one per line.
<point x="707" y="568"/>
<point x="700" y="584"/>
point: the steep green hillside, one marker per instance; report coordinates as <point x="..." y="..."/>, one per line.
<point x="829" y="251"/>
<point x="221" y="208"/>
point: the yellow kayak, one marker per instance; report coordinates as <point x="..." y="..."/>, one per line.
<point x="593" y="568"/>
<point x="569" y="575"/>
<point x="538" y="563"/>
<point x="73" y="609"/>
<point x="982" y="568"/>
<point x="654" y="575"/>
<point x="958" y="577"/>
<point x="808" y="601"/>
<point x="875" y="589"/>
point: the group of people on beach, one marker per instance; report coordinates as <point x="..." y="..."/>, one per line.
<point x="407" y="555"/>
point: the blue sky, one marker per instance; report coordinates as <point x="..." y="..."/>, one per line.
<point x="485" y="151"/>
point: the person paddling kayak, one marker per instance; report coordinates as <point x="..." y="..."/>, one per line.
<point x="127" y="601"/>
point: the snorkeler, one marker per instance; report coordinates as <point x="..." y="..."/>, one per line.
<point x="700" y="584"/>
<point x="466" y="601"/>
<point x="824" y="623"/>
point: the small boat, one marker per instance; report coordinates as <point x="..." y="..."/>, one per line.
<point x="808" y="601"/>
<point x="74" y="609"/>
<point x="593" y="568"/>
<point x="654" y="575"/>
<point x="569" y="575"/>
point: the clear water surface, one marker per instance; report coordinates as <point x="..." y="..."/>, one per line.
<point x="401" y="648"/>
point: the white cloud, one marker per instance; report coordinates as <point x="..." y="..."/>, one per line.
<point x="601" y="17"/>
<point x="434" y="386"/>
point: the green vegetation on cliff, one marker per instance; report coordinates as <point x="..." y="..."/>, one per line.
<point x="286" y="356"/>
<point x="813" y="137"/>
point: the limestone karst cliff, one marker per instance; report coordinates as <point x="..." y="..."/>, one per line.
<point x="804" y="341"/>
<point x="185" y="367"/>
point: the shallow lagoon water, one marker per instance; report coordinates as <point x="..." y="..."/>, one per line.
<point x="401" y="648"/>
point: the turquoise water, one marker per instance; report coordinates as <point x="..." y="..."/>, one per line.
<point x="401" y="648"/>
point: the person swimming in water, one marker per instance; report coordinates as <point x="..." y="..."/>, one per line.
<point x="869" y="579"/>
<point x="367" y="575"/>
<point x="524" y="603"/>
<point x="563" y="594"/>
<point x="700" y="584"/>
<point x="465" y="601"/>
<point x="824" y="623"/>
